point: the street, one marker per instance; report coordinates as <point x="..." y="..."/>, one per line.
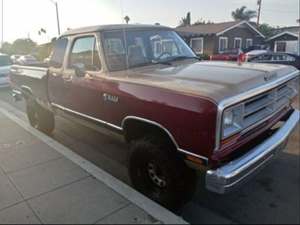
<point x="272" y="197"/>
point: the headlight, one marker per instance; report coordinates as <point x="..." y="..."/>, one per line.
<point x="232" y="121"/>
<point x="228" y="118"/>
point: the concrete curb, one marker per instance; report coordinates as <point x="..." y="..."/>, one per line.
<point x="158" y="212"/>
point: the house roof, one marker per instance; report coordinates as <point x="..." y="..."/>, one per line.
<point x="292" y="31"/>
<point x="283" y="33"/>
<point x="111" y="27"/>
<point x="215" y="28"/>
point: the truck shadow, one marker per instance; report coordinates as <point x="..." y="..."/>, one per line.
<point x="272" y="197"/>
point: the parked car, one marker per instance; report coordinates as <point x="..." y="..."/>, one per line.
<point x="27" y="60"/>
<point x="14" y="58"/>
<point x="5" y="64"/>
<point x="227" y="55"/>
<point x="277" y="58"/>
<point x="179" y="115"/>
<point x="254" y="48"/>
<point x="254" y="53"/>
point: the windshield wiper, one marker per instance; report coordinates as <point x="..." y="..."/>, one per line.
<point x="183" y="58"/>
<point x="162" y="62"/>
<point x="150" y="63"/>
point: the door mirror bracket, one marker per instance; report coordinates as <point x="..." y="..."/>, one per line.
<point x="80" y="69"/>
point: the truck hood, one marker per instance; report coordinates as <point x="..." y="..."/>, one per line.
<point x="214" y="80"/>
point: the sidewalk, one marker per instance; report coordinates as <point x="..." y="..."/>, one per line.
<point x="42" y="181"/>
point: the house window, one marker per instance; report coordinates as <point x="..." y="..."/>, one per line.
<point x="237" y="43"/>
<point x="197" y="45"/>
<point x="249" y="43"/>
<point x="223" y="44"/>
<point x="280" y="46"/>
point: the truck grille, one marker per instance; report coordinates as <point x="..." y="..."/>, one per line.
<point x="267" y="104"/>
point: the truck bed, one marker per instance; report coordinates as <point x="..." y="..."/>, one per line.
<point x="31" y="80"/>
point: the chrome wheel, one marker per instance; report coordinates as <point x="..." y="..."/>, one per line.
<point x="156" y="176"/>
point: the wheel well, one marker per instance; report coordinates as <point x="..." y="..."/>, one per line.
<point x="135" y="129"/>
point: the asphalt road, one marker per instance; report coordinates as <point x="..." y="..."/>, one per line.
<point x="273" y="197"/>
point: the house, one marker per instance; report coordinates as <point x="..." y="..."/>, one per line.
<point x="285" y="40"/>
<point x="215" y="38"/>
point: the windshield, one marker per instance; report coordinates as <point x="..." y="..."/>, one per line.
<point x="5" y="61"/>
<point x="139" y="48"/>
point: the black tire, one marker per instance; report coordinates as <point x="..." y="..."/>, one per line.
<point x="176" y="183"/>
<point x="40" y="118"/>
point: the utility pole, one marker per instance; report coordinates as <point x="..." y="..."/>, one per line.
<point x="299" y="27"/>
<point x="2" y="23"/>
<point x="259" y="3"/>
<point x="57" y="16"/>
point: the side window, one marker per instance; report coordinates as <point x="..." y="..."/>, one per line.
<point x="85" y="52"/>
<point x="59" y="52"/>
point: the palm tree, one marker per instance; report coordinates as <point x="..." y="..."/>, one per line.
<point x="243" y="14"/>
<point x="127" y="19"/>
<point x="186" y="21"/>
<point x="42" y="31"/>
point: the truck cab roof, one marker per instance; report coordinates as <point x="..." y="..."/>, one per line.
<point x="100" y="28"/>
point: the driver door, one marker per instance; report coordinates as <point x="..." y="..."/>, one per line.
<point x="84" y="85"/>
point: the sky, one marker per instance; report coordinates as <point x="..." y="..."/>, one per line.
<point x="24" y="18"/>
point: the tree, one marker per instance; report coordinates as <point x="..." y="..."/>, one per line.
<point x="202" y="22"/>
<point x="186" y="21"/>
<point x="6" y="48"/>
<point x="243" y="14"/>
<point x="23" y="46"/>
<point x="266" y="30"/>
<point x="19" y="47"/>
<point x="127" y="19"/>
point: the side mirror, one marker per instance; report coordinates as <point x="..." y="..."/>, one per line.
<point x="80" y="69"/>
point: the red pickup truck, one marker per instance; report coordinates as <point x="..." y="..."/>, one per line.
<point x="178" y="114"/>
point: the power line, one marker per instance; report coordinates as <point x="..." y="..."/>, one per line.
<point x="280" y="11"/>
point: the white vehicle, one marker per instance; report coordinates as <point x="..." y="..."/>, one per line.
<point x="252" y="54"/>
<point x="14" y="58"/>
<point x="5" y="64"/>
<point x="27" y="60"/>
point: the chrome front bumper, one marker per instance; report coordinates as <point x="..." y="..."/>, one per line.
<point x="232" y="175"/>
